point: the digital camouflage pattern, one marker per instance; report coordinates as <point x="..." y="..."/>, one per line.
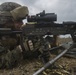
<point x="9" y="10"/>
<point x="10" y="53"/>
<point x="5" y="9"/>
<point x="9" y="59"/>
<point x="8" y="6"/>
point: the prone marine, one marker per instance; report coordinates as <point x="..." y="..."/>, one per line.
<point x="11" y="16"/>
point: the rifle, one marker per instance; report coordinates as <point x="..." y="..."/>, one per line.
<point x="44" y="23"/>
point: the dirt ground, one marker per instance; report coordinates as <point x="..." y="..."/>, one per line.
<point x="63" y="66"/>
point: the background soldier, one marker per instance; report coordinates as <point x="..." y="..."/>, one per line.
<point x="11" y="16"/>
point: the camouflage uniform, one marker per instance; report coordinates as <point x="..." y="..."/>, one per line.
<point x="10" y="53"/>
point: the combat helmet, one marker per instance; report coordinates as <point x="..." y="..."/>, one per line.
<point x="9" y="10"/>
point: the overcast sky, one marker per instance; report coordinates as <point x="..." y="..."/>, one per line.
<point x="65" y="9"/>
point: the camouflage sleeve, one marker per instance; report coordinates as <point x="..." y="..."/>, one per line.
<point x="9" y="59"/>
<point x="13" y="57"/>
<point x="3" y="52"/>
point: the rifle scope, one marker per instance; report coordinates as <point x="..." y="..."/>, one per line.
<point x="42" y="17"/>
